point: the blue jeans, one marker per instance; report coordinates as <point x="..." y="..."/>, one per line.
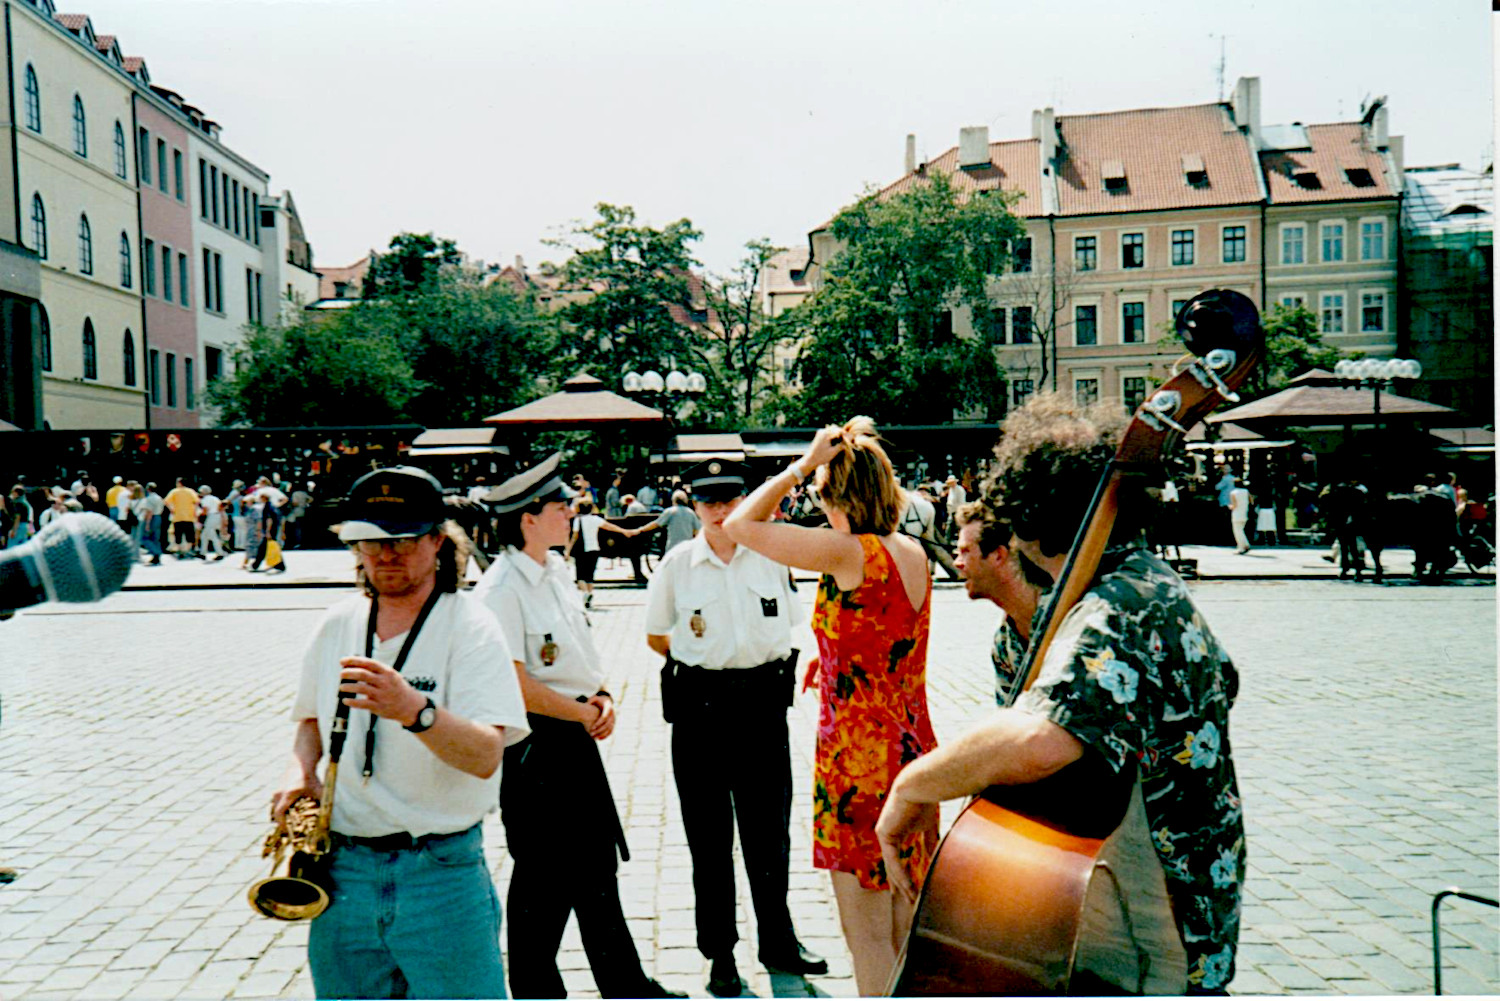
<point x="142" y="540"/>
<point x="421" y="923"/>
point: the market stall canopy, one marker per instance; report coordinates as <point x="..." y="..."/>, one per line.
<point x="458" y="441"/>
<point x="7" y="426"/>
<point x="1311" y="403"/>
<point x="1464" y="439"/>
<point x="583" y="402"/>
<point x="686" y="449"/>
<point x="1232" y="437"/>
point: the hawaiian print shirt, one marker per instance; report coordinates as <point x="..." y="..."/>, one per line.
<point x="1008" y="655"/>
<point x="1134" y="673"/>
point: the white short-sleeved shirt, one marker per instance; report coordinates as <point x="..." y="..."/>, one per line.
<point x="461" y="660"/>
<point x="588" y="528"/>
<point x="211" y="505"/>
<point x="747" y="606"/>
<point x="534" y="603"/>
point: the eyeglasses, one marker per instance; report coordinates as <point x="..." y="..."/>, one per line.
<point x="374" y="547"/>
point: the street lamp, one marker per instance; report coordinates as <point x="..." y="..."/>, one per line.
<point x="674" y="385"/>
<point x="1375" y="373"/>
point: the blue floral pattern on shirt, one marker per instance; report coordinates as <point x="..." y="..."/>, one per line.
<point x="1135" y="674"/>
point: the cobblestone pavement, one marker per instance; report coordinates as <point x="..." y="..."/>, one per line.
<point x="142" y="736"/>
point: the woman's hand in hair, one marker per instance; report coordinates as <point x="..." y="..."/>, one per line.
<point x="825" y="445"/>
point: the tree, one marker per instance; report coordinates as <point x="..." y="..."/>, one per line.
<point x="738" y="339"/>
<point x="315" y="371"/>
<point x="878" y="335"/>
<point x="630" y="278"/>
<point x="411" y="266"/>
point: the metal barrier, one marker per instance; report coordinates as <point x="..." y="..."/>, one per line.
<point x="1437" y="941"/>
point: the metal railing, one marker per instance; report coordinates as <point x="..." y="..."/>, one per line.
<point x="1437" y="941"/>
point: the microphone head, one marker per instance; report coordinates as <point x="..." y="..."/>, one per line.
<point x="81" y="557"/>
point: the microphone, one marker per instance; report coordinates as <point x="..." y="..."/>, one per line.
<point x="78" y="557"/>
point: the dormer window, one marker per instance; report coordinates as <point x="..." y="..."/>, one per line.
<point x="1112" y="172"/>
<point x="1307" y="180"/>
<point x="1359" y="177"/>
<point x="1193" y="171"/>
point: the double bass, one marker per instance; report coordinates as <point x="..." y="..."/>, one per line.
<point x="1054" y="887"/>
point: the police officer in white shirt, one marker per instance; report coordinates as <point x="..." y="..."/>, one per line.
<point x="414" y="911"/>
<point x="560" y="821"/>
<point x="722" y="615"/>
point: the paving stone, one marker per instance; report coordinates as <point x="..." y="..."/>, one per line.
<point x="1294" y="977"/>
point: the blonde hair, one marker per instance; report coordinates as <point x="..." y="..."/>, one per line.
<point x="860" y="481"/>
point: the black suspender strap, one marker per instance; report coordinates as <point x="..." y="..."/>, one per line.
<point x="411" y="638"/>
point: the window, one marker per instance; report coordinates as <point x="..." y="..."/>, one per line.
<point x="1293" y="301"/>
<point x="1086" y="391"/>
<point x="213" y="192"/>
<point x="997" y="326"/>
<point x="208" y="279"/>
<point x="85" y="245"/>
<point x="1133" y="250"/>
<point x="1182" y="246"/>
<point x="1020" y="330"/>
<point x="1372" y="311"/>
<point x="942" y="326"/>
<point x="1133" y="392"/>
<point x="1085" y="253"/>
<point x="1332" y="236"/>
<point x="127" y="352"/>
<point x="90" y="351"/>
<point x="171" y="379"/>
<point x="122" y="168"/>
<point x="1085" y="325"/>
<point x="1021" y="390"/>
<point x="148" y="266"/>
<point x="125" y="262"/>
<point x="1333" y="313"/>
<point x="153" y="376"/>
<point x="1234" y="244"/>
<point x="33" y="102"/>
<point x="80" y="128"/>
<point x="255" y="206"/>
<point x="177" y="174"/>
<point x="188" y="396"/>
<point x="218" y="283"/>
<point x="1360" y="177"/>
<point x="38" y="226"/>
<point x="1133" y="323"/>
<point x="166" y="273"/>
<point x="228" y="205"/>
<point x="1293" y="239"/>
<point x="202" y="189"/>
<point x="161" y="165"/>
<point x="182" y="279"/>
<point x="213" y="363"/>
<point x="143" y="154"/>
<point x="46" y="343"/>
<point x="1372" y="240"/>
<point x="1177" y="305"/>
<point x="1022" y="252"/>
<point x="234" y="199"/>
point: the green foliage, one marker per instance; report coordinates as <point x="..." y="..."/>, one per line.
<point x="1293" y="345"/>
<point x="412" y="266"/>
<point x="634" y="274"/>
<point x="738" y="338"/>
<point x="878" y="334"/>
<point x="316" y="371"/>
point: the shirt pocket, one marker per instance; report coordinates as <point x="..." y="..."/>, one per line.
<point x="768" y="632"/>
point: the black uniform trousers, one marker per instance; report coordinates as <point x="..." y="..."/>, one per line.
<point x="732" y="763"/>
<point x="562" y="831"/>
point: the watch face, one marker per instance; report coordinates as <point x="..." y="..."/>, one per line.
<point x="427" y="716"/>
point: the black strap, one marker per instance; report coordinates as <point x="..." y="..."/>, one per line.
<point x="411" y="638"/>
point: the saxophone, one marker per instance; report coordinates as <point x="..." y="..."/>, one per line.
<point x="300" y="847"/>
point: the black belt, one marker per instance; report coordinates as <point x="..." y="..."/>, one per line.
<point x="401" y="841"/>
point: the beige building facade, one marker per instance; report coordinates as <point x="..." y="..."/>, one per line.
<point x="76" y="187"/>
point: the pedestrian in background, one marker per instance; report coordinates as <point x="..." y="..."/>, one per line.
<point x="238" y="520"/>
<point x="1239" y="515"/>
<point x="679" y="520"/>
<point x="182" y="502"/>
<point x="20" y="527"/>
<point x="586" y="529"/>
<point x="148" y="511"/>
<point x="212" y="510"/>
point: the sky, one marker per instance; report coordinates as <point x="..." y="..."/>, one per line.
<point x="500" y="124"/>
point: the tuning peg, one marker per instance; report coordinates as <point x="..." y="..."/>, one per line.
<point x="1158" y="410"/>
<point x="1216" y="361"/>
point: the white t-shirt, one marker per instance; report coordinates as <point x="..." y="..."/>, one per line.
<point x="747" y="606"/>
<point x="123" y="502"/>
<point x="588" y="528"/>
<point x="957" y="498"/>
<point x="211" y="505"/>
<point x="461" y="660"/>
<point x="270" y="495"/>
<point x="535" y="603"/>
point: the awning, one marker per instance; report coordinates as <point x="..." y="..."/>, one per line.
<point x="459" y="450"/>
<point x="583" y="403"/>
<point x="692" y="448"/>
<point x="1236" y="446"/>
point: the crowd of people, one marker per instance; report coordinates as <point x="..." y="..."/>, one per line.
<point x="187" y="522"/>
<point x="505" y="694"/>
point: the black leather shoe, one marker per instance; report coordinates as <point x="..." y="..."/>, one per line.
<point x="653" y="989"/>
<point x="798" y="960"/>
<point x="724" y="978"/>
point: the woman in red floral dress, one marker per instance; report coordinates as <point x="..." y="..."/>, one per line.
<point x="871" y="621"/>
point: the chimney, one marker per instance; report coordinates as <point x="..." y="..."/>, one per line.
<point x="520" y="264"/>
<point x="911" y="152"/>
<point x="1044" y="129"/>
<point x="974" y="146"/>
<point x="1380" y="128"/>
<point x="1245" y="106"/>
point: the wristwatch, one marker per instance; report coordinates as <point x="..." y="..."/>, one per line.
<point x="425" y="717"/>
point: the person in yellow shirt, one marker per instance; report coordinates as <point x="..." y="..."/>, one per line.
<point x="182" y="502"/>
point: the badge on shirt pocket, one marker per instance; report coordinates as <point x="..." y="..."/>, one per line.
<point x="768" y="607"/>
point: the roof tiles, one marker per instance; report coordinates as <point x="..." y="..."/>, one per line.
<point x="1014" y="166"/>
<point x="1150" y="146"/>
<point x="1321" y="173"/>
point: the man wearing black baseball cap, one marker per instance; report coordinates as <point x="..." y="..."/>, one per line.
<point x="722" y="615"/>
<point x="433" y="702"/>
<point x="561" y="826"/>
